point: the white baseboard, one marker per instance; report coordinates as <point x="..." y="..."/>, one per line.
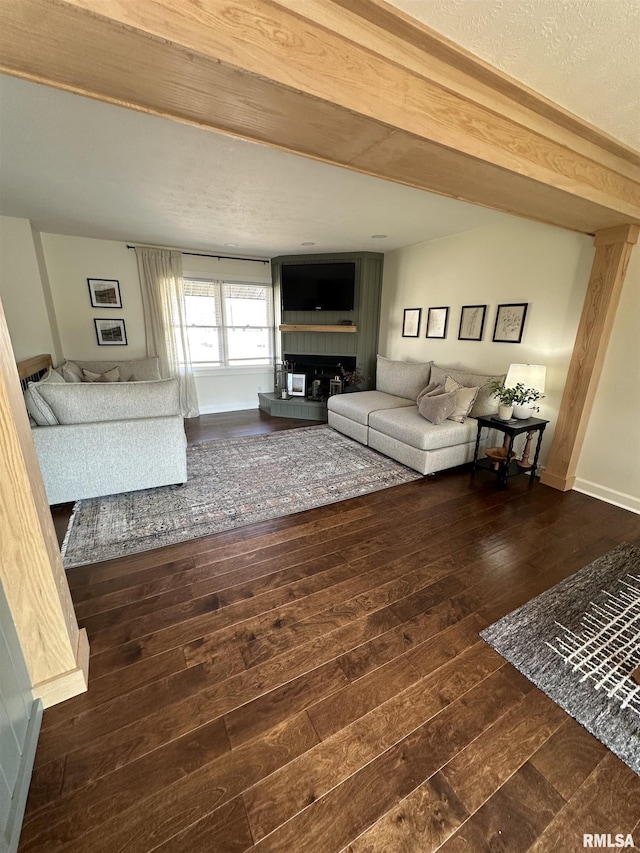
<point x="228" y="407"/>
<point x="610" y="496"/>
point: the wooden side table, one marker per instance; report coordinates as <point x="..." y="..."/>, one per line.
<point x="511" y="430"/>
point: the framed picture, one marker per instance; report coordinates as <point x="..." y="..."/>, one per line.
<point x="111" y="333"/>
<point x="437" y="320"/>
<point x="510" y="323"/>
<point x="297" y="384"/>
<point x="411" y="322"/>
<point x="104" y="293"/>
<point x="472" y="319"/>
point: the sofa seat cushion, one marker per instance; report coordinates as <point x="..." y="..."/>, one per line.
<point x="408" y="426"/>
<point x="82" y="402"/>
<point x="359" y="405"/>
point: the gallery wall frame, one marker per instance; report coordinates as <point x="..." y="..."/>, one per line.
<point x="472" y="320"/>
<point x="437" y="321"/>
<point x="509" y="325"/>
<point x="104" y="293"/>
<point x="110" y="333"/>
<point x="411" y="322"/>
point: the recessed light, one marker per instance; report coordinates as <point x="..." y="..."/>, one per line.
<point x="231" y="245"/>
<point x="308" y="243"/>
<point x="378" y="236"/>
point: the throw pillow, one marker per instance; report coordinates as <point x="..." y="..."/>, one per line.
<point x="486" y="403"/>
<point x="432" y="386"/>
<point x="437" y="407"/>
<point x="112" y="375"/>
<point x="71" y="372"/>
<point x="52" y="375"/>
<point x="465" y="398"/>
<point x="39" y="409"/>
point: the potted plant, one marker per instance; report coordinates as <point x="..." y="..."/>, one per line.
<point x="523" y="402"/>
<point x="352" y="379"/>
<point x="515" y="402"/>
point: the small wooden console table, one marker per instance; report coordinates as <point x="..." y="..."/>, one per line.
<point x="510" y="467"/>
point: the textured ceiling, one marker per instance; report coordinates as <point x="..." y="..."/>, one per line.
<point x="582" y="54"/>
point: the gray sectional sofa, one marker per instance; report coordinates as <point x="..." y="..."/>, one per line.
<point x="102" y="438"/>
<point x="388" y="419"/>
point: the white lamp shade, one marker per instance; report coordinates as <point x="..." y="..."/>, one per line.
<point x="531" y="376"/>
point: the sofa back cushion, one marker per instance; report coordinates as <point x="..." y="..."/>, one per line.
<point x="86" y="402"/>
<point x="402" y="378"/>
<point x="140" y="370"/>
<point x="485" y="403"/>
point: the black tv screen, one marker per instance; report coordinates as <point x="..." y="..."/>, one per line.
<point x="318" y="287"/>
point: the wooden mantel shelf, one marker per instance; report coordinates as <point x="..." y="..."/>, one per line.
<point x="310" y="327"/>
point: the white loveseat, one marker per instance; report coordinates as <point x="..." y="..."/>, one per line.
<point x="388" y="419"/>
<point x="102" y="438"/>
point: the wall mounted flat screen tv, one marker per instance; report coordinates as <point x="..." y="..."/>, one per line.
<point x="318" y="287"/>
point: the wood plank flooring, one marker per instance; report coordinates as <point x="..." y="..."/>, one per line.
<point x="317" y="684"/>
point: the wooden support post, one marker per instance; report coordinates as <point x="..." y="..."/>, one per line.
<point x="613" y="250"/>
<point x="56" y="652"/>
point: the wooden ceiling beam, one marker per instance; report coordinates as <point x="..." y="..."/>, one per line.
<point x="348" y="82"/>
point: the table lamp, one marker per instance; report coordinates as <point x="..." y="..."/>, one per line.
<point x="531" y="376"/>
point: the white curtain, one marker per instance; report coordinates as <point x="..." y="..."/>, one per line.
<point x="165" y="320"/>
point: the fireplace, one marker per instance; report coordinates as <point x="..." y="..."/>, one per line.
<point x="320" y="367"/>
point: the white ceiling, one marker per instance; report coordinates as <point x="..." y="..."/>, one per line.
<point x="582" y="54"/>
<point x="77" y="166"/>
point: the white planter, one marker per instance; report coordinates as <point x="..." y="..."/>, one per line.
<point x="522" y="412"/>
<point x="505" y="412"/>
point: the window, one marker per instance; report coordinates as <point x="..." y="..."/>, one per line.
<point x="229" y="323"/>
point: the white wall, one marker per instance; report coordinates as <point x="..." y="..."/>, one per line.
<point x="70" y="262"/>
<point x="22" y="291"/>
<point x="609" y="465"/>
<point x="518" y="261"/>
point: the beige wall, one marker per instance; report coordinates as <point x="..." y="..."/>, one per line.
<point x="23" y="292"/>
<point x="609" y="465"/>
<point x="518" y="261"/>
<point x="66" y="263"/>
<point x="70" y="262"/>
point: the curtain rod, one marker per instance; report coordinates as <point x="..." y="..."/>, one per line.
<point x="198" y="254"/>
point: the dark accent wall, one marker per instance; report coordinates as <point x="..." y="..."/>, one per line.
<point x="363" y="344"/>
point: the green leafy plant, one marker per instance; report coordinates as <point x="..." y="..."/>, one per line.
<point x="519" y="395"/>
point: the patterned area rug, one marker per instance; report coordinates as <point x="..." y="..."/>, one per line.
<point x="232" y="482"/>
<point x="579" y="642"/>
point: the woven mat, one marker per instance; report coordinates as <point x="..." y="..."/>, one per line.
<point x="579" y="642"/>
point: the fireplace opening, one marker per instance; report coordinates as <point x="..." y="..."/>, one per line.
<point x="321" y="368"/>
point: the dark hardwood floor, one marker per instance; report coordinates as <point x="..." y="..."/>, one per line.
<point x="317" y="683"/>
